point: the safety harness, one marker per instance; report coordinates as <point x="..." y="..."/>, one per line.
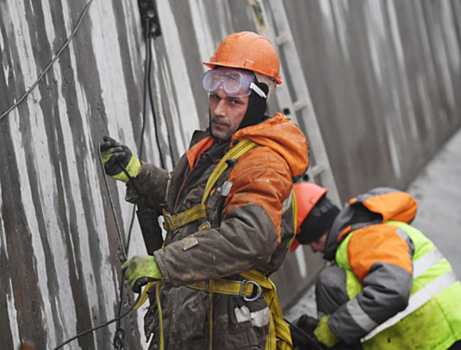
<point x="254" y="282"/>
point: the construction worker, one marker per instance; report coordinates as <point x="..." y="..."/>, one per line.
<point x="389" y="287"/>
<point x="228" y="211"/>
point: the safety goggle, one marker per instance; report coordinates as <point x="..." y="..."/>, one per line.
<point x="235" y="83"/>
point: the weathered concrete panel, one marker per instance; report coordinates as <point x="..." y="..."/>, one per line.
<point x="384" y="77"/>
<point x="383" y="82"/>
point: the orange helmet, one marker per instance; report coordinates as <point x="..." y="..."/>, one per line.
<point x="247" y="50"/>
<point x="307" y="196"/>
<point x="311" y="224"/>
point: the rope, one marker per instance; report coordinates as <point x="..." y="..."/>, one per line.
<point x="147" y="69"/>
<point x="98" y="327"/>
<point x="120" y="332"/>
<point x="119" y="338"/>
<point x="154" y="116"/>
<point x="111" y="202"/>
<point x="47" y="68"/>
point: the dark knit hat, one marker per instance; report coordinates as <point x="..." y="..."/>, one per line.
<point x="318" y="221"/>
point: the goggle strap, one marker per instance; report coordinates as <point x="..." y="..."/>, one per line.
<point x="258" y="90"/>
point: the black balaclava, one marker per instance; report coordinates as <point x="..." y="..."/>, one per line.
<point x="256" y="109"/>
<point x="318" y="221"/>
<point x="257" y="105"/>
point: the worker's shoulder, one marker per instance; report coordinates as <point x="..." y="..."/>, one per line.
<point x="376" y="233"/>
<point x="263" y="155"/>
<point x="262" y="164"/>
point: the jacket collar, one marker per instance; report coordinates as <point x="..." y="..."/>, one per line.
<point x="374" y="207"/>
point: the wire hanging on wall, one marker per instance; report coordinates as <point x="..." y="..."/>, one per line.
<point x="47" y="68"/>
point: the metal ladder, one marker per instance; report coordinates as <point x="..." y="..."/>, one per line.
<point x="301" y="101"/>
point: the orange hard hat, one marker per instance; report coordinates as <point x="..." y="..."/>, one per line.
<point x="247" y="50"/>
<point x="307" y="196"/>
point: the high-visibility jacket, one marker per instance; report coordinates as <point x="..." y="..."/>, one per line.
<point x="403" y="292"/>
<point x="432" y="319"/>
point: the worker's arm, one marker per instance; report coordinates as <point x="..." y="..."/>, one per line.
<point x="381" y="258"/>
<point x="146" y="183"/>
<point x="250" y="228"/>
<point x="149" y="187"/>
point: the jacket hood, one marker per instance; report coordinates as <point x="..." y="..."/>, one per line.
<point x="374" y="207"/>
<point x="284" y="137"/>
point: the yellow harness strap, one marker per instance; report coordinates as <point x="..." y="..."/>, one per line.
<point x="172" y="222"/>
<point x="198" y="212"/>
<point x="144" y="295"/>
<point x="279" y="333"/>
<point x="278" y="329"/>
<point x="279" y="337"/>
<point x="227" y="287"/>
<point x="240" y="149"/>
<point x="294" y="206"/>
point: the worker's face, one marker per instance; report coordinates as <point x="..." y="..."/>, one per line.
<point x="226" y="113"/>
<point x="319" y="244"/>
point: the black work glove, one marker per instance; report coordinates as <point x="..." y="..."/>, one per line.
<point x="114" y="156"/>
<point x="303" y="333"/>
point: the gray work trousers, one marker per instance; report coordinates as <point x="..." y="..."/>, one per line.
<point x="330" y="293"/>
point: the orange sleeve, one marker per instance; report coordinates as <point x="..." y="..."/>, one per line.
<point x="262" y="178"/>
<point x="377" y="244"/>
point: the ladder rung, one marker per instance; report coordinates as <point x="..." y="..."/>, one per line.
<point x="282" y="39"/>
<point x="300" y="104"/>
<point x="317" y="169"/>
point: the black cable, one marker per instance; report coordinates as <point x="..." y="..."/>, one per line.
<point x="147" y="68"/>
<point x="100" y="326"/>
<point x="120" y="332"/>
<point x="162" y="161"/>
<point x="118" y="340"/>
<point x="311" y="339"/>
<point x="111" y="202"/>
<point x="47" y="68"/>
<point x="151" y="99"/>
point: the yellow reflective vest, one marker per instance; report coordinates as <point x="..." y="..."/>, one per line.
<point x="432" y="319"/>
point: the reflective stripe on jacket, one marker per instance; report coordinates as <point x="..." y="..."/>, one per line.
<point x="432" y="319"/>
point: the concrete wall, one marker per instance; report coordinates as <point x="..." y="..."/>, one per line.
<point x="385" y="81"/>
<point x="384" y="77"/>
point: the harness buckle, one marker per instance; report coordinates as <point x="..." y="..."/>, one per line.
<point x="204" y="226"/>
<point x="250" y="298"/>
<point x="169" y="222"/>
